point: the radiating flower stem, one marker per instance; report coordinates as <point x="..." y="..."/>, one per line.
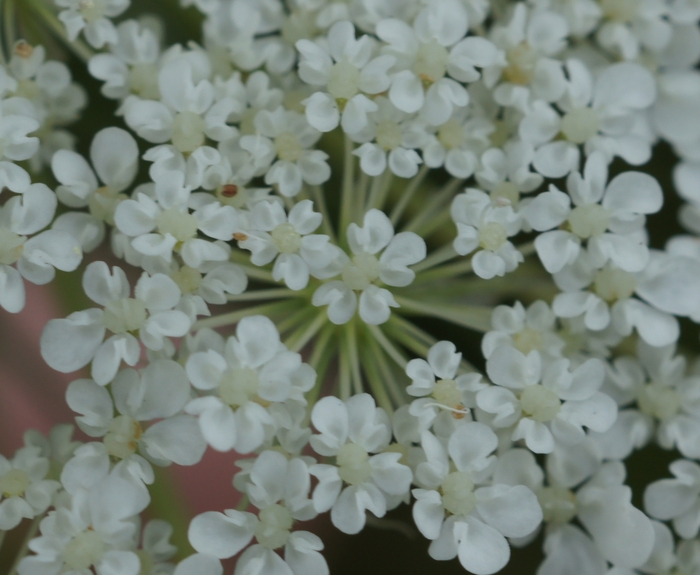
<point x="527" y="249"/>
<point x="236" y="316"/>
<point x="431" y="208"/>
<point x="320" y="360"/>
<point x="348" y="192"/>
<point x="241" y="259"/>
<point x="78" y="47"/>
<point x="297" y="341"/>
<point x="408" y="193"/>
<point x="472" y="317"/>
<point x="388" y="347"/>
<point x="283" y="293"/>
<point x="24" y="547"/>
<point x="361" y="195"/>
<point x="375" y="380"/>
<point x="295" y="320"/>
<point x="459" y="268"/>
<point x="351" y="337"/>
<point x="320" y="200"/>
<point x="8" y="16"/>
<point x="391" y="382"/>
<point x="439" y="256"/>
<point x="415" y="339"/>
<point x="344" y="388"/>
<point x="379" y="190"/>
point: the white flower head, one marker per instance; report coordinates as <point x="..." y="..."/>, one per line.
<point x="288" y="240"/>
<point x="547" y="406"/>
<point x="359" y="273"/>
<point x="460" y="510"/>
<point x="352" y="431"/>
<point x="481" y="225"/>
<point x="348" y="72"/>
<point x="255" y="371"/>
<point x="71" y="343"/>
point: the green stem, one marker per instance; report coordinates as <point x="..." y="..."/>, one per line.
<point x="320" y="201"/>
<point x="416" y="339"/>
<point x="347" y="198"/>
<point x="362" y="189"/>
<point x="299" y="341"/>
<point x="78" y="47"/>
<point x="320" y="361"/>
<point x="351" y="338"/>
<point x="410" y="342"/>
<point x="433" y="205"/>
<point x="388" y="347"/>
<point x="397" y="395"/>
<point x="344" y="373"/>
<point x="236" y="316"/>
<point x="281" y="293"/>
<point x="459" y="268"/>
<point x="2" y="536"/>
<point x="408" y="194"/>
<point x="240" y="259"/>
<point x="472" y="317"/>
<point x="434" y="223"/>
<point x="375" y="381"/>
<point x="527" y="249"/>
<point x="295" y="320"/>
<point x="322" y="342"/>
<point x="396" y="322"/>
<point x="243" y="504"/>
<point x="9" y="28"/>
<point x="167" y="503"/>
<point x="439" y="256"/>
<point x="22" y="552"/>
<point x="380" y="188"/>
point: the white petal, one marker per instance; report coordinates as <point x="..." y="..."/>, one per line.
<point x="12" y="295"/>
<point x="115" y="155"/>
<point x="481" y="549"/>
<point x="177" y="439"/>
<point x="340" y="299"/>
<point x="406" y="92"/>
<point x="69" y="344"/>
<point x="322" y="112"/>
<point x="220" y="535"/>
<point x="374" y="305"/>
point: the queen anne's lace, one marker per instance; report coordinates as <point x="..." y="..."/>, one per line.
<point x="348" y="178"/>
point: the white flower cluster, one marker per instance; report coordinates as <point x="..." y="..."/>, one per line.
<point x="328" y="170"/>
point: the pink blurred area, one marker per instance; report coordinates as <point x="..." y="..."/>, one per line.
<point x="32" y="395"/>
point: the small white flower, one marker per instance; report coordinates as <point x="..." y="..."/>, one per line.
<point x="91" y="531"/>
<point x="71" y="343"/>
<point x="481" y="225"/>
<point x="360" y="273"/>
<point x="93" y="16"/>
<point x="426" y="53"/>
<point x="551" y="405"/>
<point x="37" y="257"/>
<point x="347" y="70"/>
<point x="24" y="491"/>
<point x="255" y="370"/>
<point x="394" y="140"/>
<point x="607" y="216"/>
<point x="160" y="391"/>
<point x="287" y="239"/>
<point x="292" y="136"/>
<point x="460" y="511"/>
<point x="351" y="431"/>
